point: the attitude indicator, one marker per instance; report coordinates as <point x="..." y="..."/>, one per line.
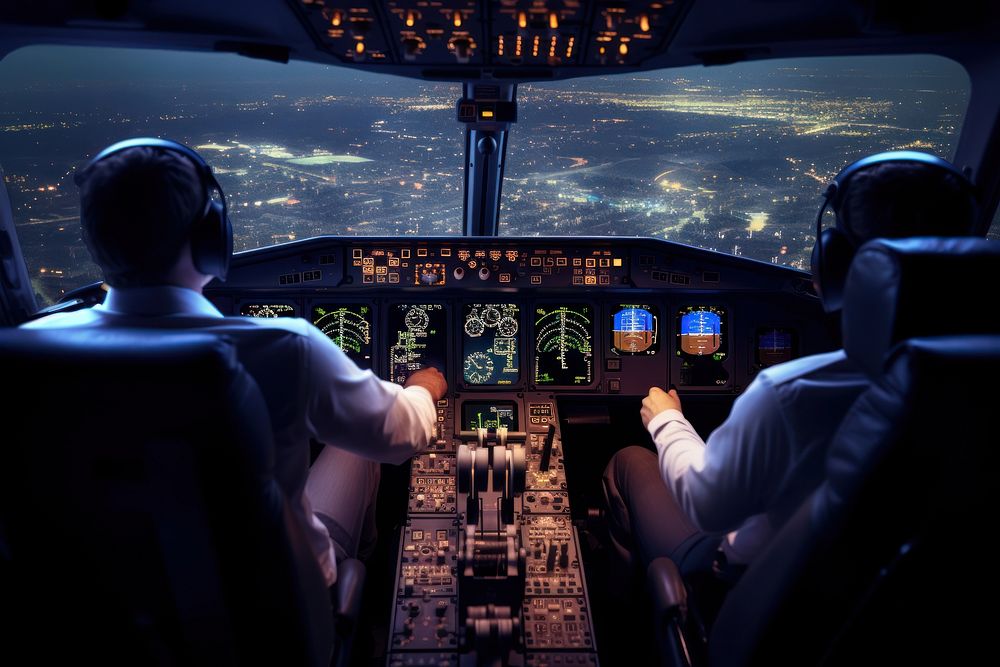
<point x="635" y="329"/>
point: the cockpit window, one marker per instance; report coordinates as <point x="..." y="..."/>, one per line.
<point x="300" y="149"/>
<point x="729" y="158"/>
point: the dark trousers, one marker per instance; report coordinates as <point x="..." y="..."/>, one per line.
<point x="342" y="488"/>
<point x="646" y="521"/>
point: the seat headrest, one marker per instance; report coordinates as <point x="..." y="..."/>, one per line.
<point x="927" y="286"/>
<point x="118" y="347"/>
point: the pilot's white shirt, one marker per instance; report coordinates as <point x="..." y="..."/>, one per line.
<point x="761" y="463"/>
<point x="314" y="388"/>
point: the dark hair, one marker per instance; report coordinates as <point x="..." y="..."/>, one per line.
<point x="136" y="212"/>
<point x="901" y="199"/>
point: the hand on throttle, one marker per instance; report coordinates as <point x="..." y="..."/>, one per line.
<point x="430" y="379"/>
<point x="656" y="402"/>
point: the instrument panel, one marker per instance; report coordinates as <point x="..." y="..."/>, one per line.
<point x="581" y="315"/>
<point x="489" y="559"/>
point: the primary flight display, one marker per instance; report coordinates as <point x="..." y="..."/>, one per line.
<point x="703" y="346"/>
<point x="635" y="329"/>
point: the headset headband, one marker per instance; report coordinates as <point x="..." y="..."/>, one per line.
<point x="204" y="170"/>
<point x="835" y="190"/>
<point x="211" y="232"/>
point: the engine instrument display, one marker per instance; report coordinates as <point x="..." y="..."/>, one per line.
<point x="490" y="336"/>
<point x="635" y="329"/>
<point x="775" y="345"/>
<point x="489" y="414"/>
<point x="350" y="327"/>
<point x="563" y="345"/>
<point x="267" y="310"/>
<point x="702" y="345"/>
<point x="418" y="338"/>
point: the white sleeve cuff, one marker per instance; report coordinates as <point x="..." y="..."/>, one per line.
<point x="417" y="390"/>
<point x="664" y="418"/>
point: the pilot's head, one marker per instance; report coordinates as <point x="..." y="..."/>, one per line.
<point x="149" y="218"/>
<point x="888" y="195"/>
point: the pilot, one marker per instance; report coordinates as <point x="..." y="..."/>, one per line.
<point x="151" y="221"/>
<point x="711" y="507"/>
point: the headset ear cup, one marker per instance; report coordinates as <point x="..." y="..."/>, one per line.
<point x="815" y="265"/>
<point x="212" y="242"/>
<point x="837" y="253"/>
<point x="227" y="242"/>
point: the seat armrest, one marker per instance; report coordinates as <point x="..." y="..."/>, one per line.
<point x="666" y="588"/>
<point x="347" y="594"/>
<point x="669" y="599"/>
<point x="350" y="588"/>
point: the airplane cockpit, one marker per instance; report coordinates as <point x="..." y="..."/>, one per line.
<point x="558" y="204"/>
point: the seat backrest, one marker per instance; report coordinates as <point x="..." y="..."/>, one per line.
<point x="140" y="521"/>
<point x="879" y="563"/>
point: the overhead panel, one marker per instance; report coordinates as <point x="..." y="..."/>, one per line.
<point x="436" y="33"/>
<point x="627" y="33"/>
<point x="537" y="32"/>
<point x="493" y="33"/>
<point x="352" y="30"/>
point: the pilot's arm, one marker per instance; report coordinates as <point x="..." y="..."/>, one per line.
<point x="354" y="410"/>
<point x="734" y="476"/>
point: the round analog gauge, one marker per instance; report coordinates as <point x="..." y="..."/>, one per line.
<point x="474" y="327"/>
<point x="491" y="316"/>
<point x="417" y="319"/>
<point x="478" y="368"/>
<point x="507" y="327"/>
<point x="266" y="311"/>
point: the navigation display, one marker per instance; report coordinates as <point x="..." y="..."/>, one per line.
<point x="267" y="310"/>
<point x="417" y="338"/>
<point x="703" y="345"/>
<point x="563" y="345"/>
<point x="635" y="329"/>
<point x="489" y="414"/>
<point x="350" y="327"/>
<point x="774" y="346"/>
<point x="490" y="336"/>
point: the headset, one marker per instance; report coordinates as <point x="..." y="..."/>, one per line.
<point x="211" y="230"/>
<point x="835" y="246"/>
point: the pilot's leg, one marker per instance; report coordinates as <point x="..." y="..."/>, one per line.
<point x="646" y="521"/>
<point x="342" y="489"/>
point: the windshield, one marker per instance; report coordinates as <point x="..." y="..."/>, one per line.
<point x="300" y="149"/>
<point x="732" y="158"/>
<point x="727" y="158"/>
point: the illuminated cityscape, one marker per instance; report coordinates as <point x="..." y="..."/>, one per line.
<point x="731" y="159"/>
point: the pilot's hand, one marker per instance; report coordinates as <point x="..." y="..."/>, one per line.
<point x="430" y="379"/>
<point x="656" y="402"/>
